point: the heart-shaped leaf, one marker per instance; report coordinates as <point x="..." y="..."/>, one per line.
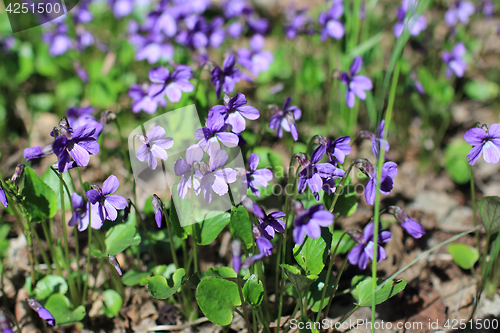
<point x="131" y="277"/>
<point x="299" y="281"/>
<point x="363" y="292"/>
<point x="112" y="303"/>
<point x="50" y="284"/>
<point x="217" y="298"/>
<point x="464" y="255"/>
<point x="489" y="209"/>
<point x="311" y="255"/>
<point x="159" y="287"/>
<point x="120" y="237"/>
<point x="207" y="231"/>
<point x="241" y="226"/>
<point x="60" y="307"/>
<point x="40" y="200"/>
<point x="253" y="291"/>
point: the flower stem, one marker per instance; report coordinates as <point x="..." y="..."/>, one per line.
<point x="245" y="315"/>
<point x="339" y="275"/>
<point x="474" y="207"/>
<point x="171" y="238"/>
<point x="376" y="218"/>
<point x="87" y="270"/>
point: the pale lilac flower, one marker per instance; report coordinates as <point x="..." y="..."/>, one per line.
<point x="256" y="177"/>
<point x="459" y="12"/>
<point x="309" y="222"/>
<point x="297" y="21"/>
<point x="356" y="84"/>
<point x="158" y="210"/>
<point x="122" y="8"/>
<point x="407" y="223"/>
<point x="360" y="254"/>
<point x="235" y="111"/>
<point x="80" y="212"/>
<point x="331" y="26"/>
<point x="215" y="178"/>
<point x="213" y="132"/>
<point x="255" y="59"/>
<point x="41" y="311"/>
<point x="235" y="29"/>
<point x="455" y="60"/>
<point x="285" y="118"/>
<point x="389" y="172"/>
<point x="114" y="262"/>
<point x="189" y="175"/>
<point x="154" y="146"/>
<point x="195" y="36"/>
<point x="107" y="202"/>
<point x="171" y="85"/>
<point x="485" y="141"/>
<point x="3" y="196"/>
<point x="153" y="49"/>
<point x="141" y="100"/>
<point x="58" y="40"/>
<point x="415" y="24"/>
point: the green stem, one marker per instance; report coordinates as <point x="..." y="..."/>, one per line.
<point x="261" y="319"/>
<point x="42" y="251"/>
<point x="87" y="269"/>
<point x="286" y="329"/>
<point x="337" y="281"/>
<point x="474" y="209"/>
<point x="340" y="187"/>
<point x="332" y="261"/>
<point x="71" y="281"/>
<point x="262" y="277"/>
<point x="171" y="238"/>
<point x="146" y="233"/>
<point x="388" y="117"/>
<point x="245" y="315"/>
<point x="52" y="250"/>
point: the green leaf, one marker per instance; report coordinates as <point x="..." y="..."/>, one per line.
<point x="132" y="277"/>
<point x="457" y="164"/>
<point x="4" y="242"/>
<point x="363" y="292"/>
<point x="253" y="291"/>
<point x="316" y="291"/>
<point x="159" y="287"/>
<point x="60" y="307"/>
<point x="481" y="90"/>
<point x="112" y="303"/>
<point x="268" y="158"/>
<point x="50" y="178"/>
<point x="181" y="232"/>
<point x="307" y="326"/>
<point x="26" y="62"/>
<point x="489" y="209"/>
<point x="347" y="203"/>
<point x="346" y="243"/>
<point x="313" y="253"/>
<point x="299" y="281"/>
<point x="217" y="298"/>
<point x="211" y="227"/>
<point x="39" y="200"/>
<point x="49" y="285"/>
<point x="241" y="226"/>
<point x="464" y="255"/>
<point x="45" y="63"/>
<point x="120" y="237"/>
<point x="223" y="272"/>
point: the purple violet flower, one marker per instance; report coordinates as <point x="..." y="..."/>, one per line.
<point x="215" y="178"/>
<point x="213" y="132"/>
<point x="459" y="12"/>
<point x="297" y="21"/>
<point x="410" y="225"/>
<point x="269" y="224"/>
<point x="376" y="139"/>
<point x="141" y="100"/>
<point x="154" y="145"/>
<point x="80" y="215"/>
<point x="309" y="221"/>
<point x="488" y="8"/>
<point x="153" y="49"/>
<point x="227" y="77"/>
<point x="356" y="84"/>
<point x="235" y="111"/>
<point x="338" y="149"/>
<point x="236" y="8"/>
<point x="285" y="118"/>
<point x="256" y="177"/>
<point x="78" y="145"/>
<point x="121" y="8"/>
<point x="313" y="173"/>
<point x="360" y="254"/>
<point x="58" y="40"/>
<point x="330" y="22"/>
<point x="42" y="312"/>
<point x="235" y="29"/>
<point x="484" y="140"/>
<point x="107" y="202"/>
<point x="171" y="85"/>
<point x="263" y="244"/>
<point x="189" y="175"/>
<point x="5" y="323"/>
<point x="3" y="196"/>
<point x="415" y="24"/>
<point x="78" y="117"/>
<point x="158" y="209"/>
<point x="455" y="60"/>
<point x="389" y="172"/>
<point x="195" y="36"/>
<point x="32" y="153"/>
